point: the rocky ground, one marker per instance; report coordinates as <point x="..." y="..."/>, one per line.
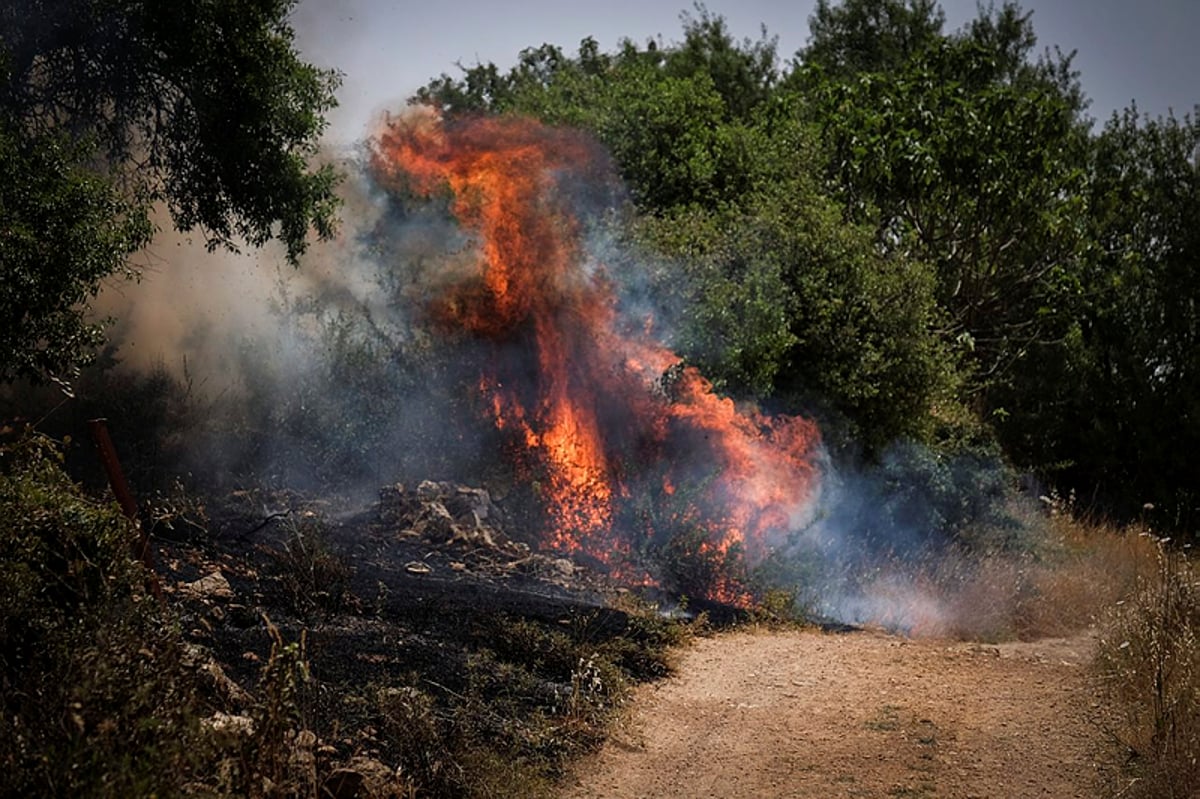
<point x="422" y="596"/>
<point x="443" y="657"/>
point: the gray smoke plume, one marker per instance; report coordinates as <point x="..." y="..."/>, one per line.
<point x="328" y="378"/>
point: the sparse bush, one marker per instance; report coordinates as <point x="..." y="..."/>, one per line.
<point x="277" y="758"/>
<point x="310" y="575"/>
<point x="1149" y="662"/>
<point x="923" y="499"/>
<point x="644" y="650"/>
<point x="694" y="566"/>
<point x="416" y="730"/>
<point x="779" y="608"/>
<point x="528" y="697"/>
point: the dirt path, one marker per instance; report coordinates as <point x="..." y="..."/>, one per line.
<point x="808" y="714"/>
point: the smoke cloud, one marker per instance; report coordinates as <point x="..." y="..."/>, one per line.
<point x="387" y="356"/>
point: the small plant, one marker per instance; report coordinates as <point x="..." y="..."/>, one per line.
<point x="280" y="760"/>
<point x="779" y="607"/>
<point x="178" y="514"/>
<point x="311" y="576"/>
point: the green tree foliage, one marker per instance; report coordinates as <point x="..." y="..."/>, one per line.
<point x="970" y="157"/>
<point x="545" y="79"/>
<point x="857" y="36"/>
<point x="790" y="303"/>
<point x="204" y="107"/>
<point x="743" y="74"/>
<point x="1121" y="417"/>
<point x="1064" y="259"/>
<point x="62" y="230"/>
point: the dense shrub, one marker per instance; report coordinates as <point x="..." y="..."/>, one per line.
<point x="96" y="701"/>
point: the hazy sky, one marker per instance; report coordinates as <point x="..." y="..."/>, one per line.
<point x="1143" y="50"/>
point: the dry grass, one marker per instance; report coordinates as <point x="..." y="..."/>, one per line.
<point x="1066" y="581"/>
<point x="1143" y="597"/>
<point x="1091" y="567"/>
<point x="1149" y="662"/>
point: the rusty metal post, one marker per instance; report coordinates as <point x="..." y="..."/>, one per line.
<point x="120" y="489"/>
<point x="112" y="468"/>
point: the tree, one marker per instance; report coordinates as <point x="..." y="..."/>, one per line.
<point x="858" y="36"/>
<point x="1122" y="418"/>
<point x="201" y="105"/>
<point x="970" y="156"/>
<point x="62" y="230"/>
<point x="546" y="82"/>
<point x="788" y="303"/>
<point x="743" y="74"/>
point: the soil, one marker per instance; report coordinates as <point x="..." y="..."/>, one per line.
<point x="403" y="604"/>
<point x="863" y="714"/>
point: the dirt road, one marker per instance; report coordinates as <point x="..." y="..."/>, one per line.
<point x="863" y="714"/>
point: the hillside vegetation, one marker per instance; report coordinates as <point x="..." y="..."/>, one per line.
<point x="917" y="237"/>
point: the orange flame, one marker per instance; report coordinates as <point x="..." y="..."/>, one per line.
<point x="583" y="395"/>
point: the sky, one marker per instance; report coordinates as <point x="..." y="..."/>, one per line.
<point x="1127" y="50"/>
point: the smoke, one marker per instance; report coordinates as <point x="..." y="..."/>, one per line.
<point x="201" y="305"/>
<point x="318" y="377"/>
<point x="921" y="542"/>
<point x="395" y="353"/>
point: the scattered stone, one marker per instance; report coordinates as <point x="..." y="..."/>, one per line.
<point x="363" y="778"/>
<point x="429" y="491"/>
<point x="435" y="523"/>
<point x="236" y="725"/>
<point x="468" y="502"/>
<point x="201" y="660"/>
<point x="442" y="513"/>
<point x="467" y="527"/>
<point x="210" y="587"/>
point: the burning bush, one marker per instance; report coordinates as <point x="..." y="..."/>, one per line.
<point x="596" y="410"/>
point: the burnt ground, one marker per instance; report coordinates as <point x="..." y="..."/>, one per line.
<point x="491" y="646"/>
<point x="359" y="583"/>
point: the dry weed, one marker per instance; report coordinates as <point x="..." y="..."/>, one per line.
<point x="1064" y="582"/>
<point x="1149" y="662"/>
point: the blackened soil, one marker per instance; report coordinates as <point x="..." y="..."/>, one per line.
<point x="377" y="608"/>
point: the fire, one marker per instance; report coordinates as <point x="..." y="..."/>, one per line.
<point x="583" y="396"/>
